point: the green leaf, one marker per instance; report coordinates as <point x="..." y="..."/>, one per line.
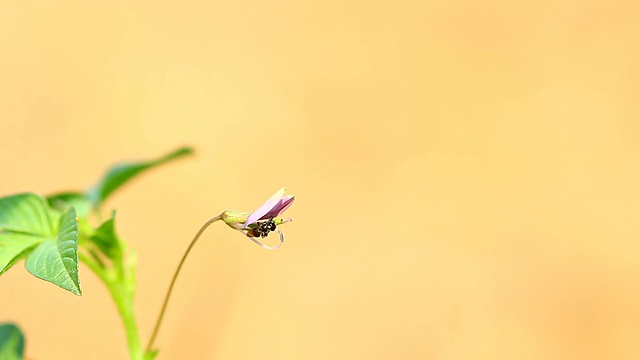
<point x="24" y="223"/>
<point x="120" y="174"/>
<point x="63" y="201"/>
<point x="14" y="247"/>
<point x="56" y="260"/>
<point x="11" y="342"/>
<point x="106" y="239"/>
<point x="25" y="213"/>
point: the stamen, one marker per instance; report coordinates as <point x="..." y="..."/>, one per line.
<point x="255" y="240"/>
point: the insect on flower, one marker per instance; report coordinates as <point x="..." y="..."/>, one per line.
<point x="263" y="220"/>
<point x="262" y="228"/>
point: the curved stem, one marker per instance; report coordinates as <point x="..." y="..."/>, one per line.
<point x="149" y="348"/>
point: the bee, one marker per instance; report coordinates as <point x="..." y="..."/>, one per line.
<point x="262" y="228"/>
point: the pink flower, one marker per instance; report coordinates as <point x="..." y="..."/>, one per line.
<point x="272" y="208"/>
<point x="263" y="220"/>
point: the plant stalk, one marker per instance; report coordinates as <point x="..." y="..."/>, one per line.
<point x="124" y="304"/>
<point x="123" y="298"/>
<point x="149" y="348"/>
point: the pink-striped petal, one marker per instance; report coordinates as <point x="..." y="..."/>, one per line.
<point x="265" y="208"/>
<point x="281" y="207"/>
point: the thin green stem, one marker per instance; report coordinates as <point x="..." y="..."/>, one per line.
<point x="149" y="348"/>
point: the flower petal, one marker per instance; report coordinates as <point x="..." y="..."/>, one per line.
<point x="284" y="203"/>
<point x="265" y="208"/>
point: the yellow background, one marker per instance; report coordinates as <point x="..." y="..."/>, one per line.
<point x="467" y="173"/>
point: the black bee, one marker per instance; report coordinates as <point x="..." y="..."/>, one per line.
<point x="262" y="228"/>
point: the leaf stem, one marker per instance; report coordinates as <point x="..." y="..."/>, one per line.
<point x="149" y="348"/>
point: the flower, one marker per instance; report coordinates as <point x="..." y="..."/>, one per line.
<point x="263" y="220"/>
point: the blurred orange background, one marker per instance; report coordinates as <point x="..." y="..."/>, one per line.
<point x="467" y="174"/>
